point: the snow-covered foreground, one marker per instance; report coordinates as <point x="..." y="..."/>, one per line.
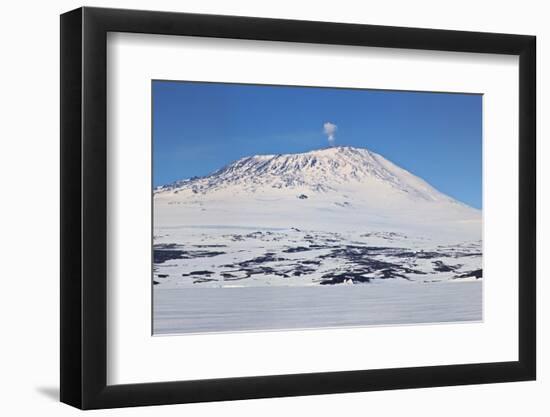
<point x="198" y="310"/>
<point x="221" y="279"/>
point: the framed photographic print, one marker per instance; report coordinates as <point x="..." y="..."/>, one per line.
<point x="258" y="207"/>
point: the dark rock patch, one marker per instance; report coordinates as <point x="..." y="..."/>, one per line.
<point x="163" y="255"/>
<point x="431" y="255"/>
<point x="391" y="273"/>
<point x="207" y="273"/>
<point x="297" y="249"/>
<point x="478" y="273"/>
<point x="267" y="257"/>
<point x="310" y="262"/>
<point x="339" y="278"/>
<point x="441" y="267"/>
<point x="301" y="270"/>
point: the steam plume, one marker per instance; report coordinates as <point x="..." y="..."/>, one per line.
<point x="330" y="130"/>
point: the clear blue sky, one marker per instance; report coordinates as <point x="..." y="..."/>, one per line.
<point x="200" y="127"/>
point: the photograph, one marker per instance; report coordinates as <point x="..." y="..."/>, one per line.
<point x="297" y="207"/>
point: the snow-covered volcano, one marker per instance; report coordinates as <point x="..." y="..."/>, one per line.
<point x="326" y="170"/>
<point x="326" y="217"/>
<point x="341" y="188"/>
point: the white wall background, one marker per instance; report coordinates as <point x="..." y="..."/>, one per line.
<point x="29" y="224"/>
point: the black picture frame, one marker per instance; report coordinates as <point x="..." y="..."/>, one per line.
<point x="84" y="208"/>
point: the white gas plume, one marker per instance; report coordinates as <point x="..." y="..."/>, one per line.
<point x="330" y="129"/>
